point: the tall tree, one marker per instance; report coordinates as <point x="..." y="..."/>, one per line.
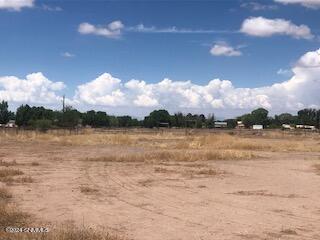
<point x="308" y="116"/>
<point x="4" y="113"/>
<point x="260" y="116"/>
<point x="23" y="115"/>
<point x="157" y="118"/>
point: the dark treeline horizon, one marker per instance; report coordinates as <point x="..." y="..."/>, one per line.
<point x="69" y="117"/>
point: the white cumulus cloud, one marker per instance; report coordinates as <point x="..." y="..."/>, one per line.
<point x="68" y="55"/>
<point x="35" y="88"/>
<point x="16" y="5"/>
<point x="112" y="30"/>
<point x="264" y="27"/>
<point x="306" y="3"/>
<point x="256" y="6"/>
<point x="223" y="49"/>
<point x="106" y="91"/>
<point x="301" y="90"/>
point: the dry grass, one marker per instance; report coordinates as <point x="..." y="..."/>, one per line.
<point x="146" y="182"/>
<point x="26" y="179"/>
<point x="288" y="231"/>
<point x="11" y="216"/>
<point x="191" y="173"/>
<point x="270" y="141"/>
<point x="164" y="170"/>
<point x="8" y="175"/>
<point x="8" y="163"/>
<point x="88" y="190"/>
<point x="317" y="168"/>
<point x="4" y="194"/>
<point x="8" y="172"/>
<point x="264" y="193"/>
<point x="176" y="156"/>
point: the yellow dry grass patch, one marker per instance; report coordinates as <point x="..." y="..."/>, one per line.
<point x="176" y="156"/>
<point x="178" y="140"/>
<point x="11" y="216"/>
<point x="8" y="172"/>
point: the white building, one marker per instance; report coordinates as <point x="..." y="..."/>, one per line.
<point x="11" y="124"/>
<point x="220" y="124"/>
<point x="240" y="124"/>
<point x="257" y="127"/>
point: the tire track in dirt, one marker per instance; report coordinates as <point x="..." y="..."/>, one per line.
<point x="131" y="189"/>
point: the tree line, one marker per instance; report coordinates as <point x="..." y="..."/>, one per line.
<point x="43" y="118"/>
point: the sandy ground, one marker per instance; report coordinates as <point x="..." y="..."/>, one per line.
<point x="273" y="197"/>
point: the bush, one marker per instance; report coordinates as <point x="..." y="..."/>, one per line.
<point x="42" y="124"/>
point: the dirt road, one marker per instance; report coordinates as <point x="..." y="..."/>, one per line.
<point x="275" y="196"/>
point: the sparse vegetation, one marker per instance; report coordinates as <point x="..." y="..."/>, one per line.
<point x="8" y="172"/>
<point x="288" y="231"/>
<point x="88" y="190"/>
<point x="179" y="156"/>
<point x="11" y="216"/>
<point x="8" y="163"/>
<point x="317" y="168"/>
<point x="4" y="194"/>
<point x="170" y="140"/>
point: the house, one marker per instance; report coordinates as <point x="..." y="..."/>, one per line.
<point x="240" y="125"/>
<point x="287" y="127"/>
<point x="257" y="127"/>
<point x="306" y="127"/>
<point x="220" y="124"/>
<point x="11" y="124"/>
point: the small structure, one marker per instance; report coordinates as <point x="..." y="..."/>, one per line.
<point x="220" y="124"/>
<point x="163" y="125"/>
<point x="312" y="128"/>
<point x="306" y="127"/>
<point x="240" y="125"/>
<point x="11" y="124"/>
<point x="287" y="127"/>
<point x="257" y="127"/>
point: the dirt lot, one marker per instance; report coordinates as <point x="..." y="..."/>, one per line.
<point x="273" y="194"/>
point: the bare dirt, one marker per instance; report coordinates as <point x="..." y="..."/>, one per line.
<point x="275" y="196"/>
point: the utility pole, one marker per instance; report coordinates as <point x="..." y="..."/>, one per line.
<point x="63" y="103"/>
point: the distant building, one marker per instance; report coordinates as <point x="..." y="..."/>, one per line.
<point x="163" y="125"/>
<point x="306" y="127"/>
<point x="257" y="127"/>
<point x="220" y="124"/>
<point x="287" y="127"/>
<point x="240" y="124"/>
<point x="11" y="124"/>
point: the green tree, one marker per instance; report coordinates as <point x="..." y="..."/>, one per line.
<point x="260" y="116"/>
<point x="41" y="124"/>
<point x="308" y="116"/>
<point x="101" y="120"/>
<point x="157" y="118"/>
<point x="125" y="121"/>
<point x="286" y="118"/>
<point x="23" y="115"/>
<point x="88" y="118"/>
<point x="247" y="120"/>
<point x="178" y="120"/>
<point x="4" y="113"/>
<point x="210" y="121"/>
<point x="231" y="123"/>
<point x="69" y="118"/>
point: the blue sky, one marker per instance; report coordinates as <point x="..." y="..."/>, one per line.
<point x="46" y="37"/>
